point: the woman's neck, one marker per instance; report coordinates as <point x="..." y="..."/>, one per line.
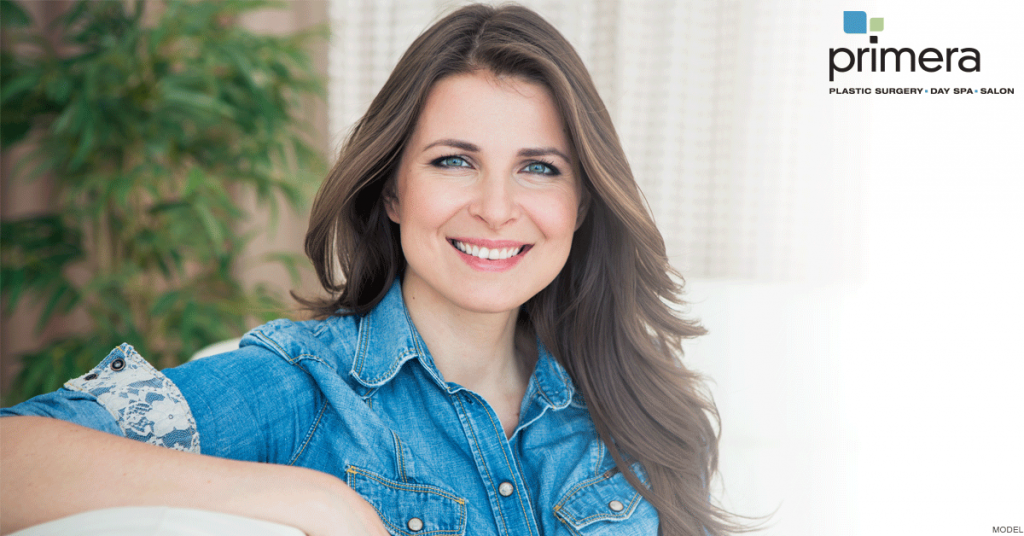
<point x="477" y="350"/>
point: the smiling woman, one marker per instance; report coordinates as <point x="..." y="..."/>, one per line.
<point x="485" y="229"/>
<point x="497" y="353"/>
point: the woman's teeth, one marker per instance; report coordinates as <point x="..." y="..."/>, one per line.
<point x="495" y="254"/>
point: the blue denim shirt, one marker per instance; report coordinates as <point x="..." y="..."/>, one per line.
<point x="361" y="398"/>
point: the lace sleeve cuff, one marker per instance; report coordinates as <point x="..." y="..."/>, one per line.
<point x="147" y="406"/>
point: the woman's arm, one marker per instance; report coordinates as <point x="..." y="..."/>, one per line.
<point x="52" y="469"/>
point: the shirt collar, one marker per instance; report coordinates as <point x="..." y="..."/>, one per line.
<point x="388" y="338"/>
<point x="552" y="380"/>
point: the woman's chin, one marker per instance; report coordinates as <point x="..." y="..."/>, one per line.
<point x="486" y="301"/>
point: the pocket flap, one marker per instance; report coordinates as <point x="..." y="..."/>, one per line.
<point x="409" y="508"/>
<point x="603" y="504"/>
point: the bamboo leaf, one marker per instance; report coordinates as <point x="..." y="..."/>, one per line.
<point x="32" y="377"/>
<point x="18" y="86"/>
<point x="13" y="16"/>
<point x="51" y="305"/>
<point x="194" y="181"/>
<point x="13" y="285"/>
<point x="199" y="102"/>
<point x="121" y="188"/>
<point x="210" y="224"/>
<point x="12" y="132"/>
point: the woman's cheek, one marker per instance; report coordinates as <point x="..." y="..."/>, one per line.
<point x="555" y="216"/>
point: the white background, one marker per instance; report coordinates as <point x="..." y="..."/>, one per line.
<point x="891" y="402"/>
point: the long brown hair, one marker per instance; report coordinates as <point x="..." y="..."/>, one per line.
<point x="608" y="317"/>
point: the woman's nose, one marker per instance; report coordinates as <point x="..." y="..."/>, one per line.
<point x="495" y="202"/>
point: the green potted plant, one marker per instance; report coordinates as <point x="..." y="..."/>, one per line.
<point x="150" y="132"/>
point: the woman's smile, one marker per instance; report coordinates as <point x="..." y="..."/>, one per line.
<point x="490" y="255"/>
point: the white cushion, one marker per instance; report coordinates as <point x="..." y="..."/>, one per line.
<point x="157" y="521"/>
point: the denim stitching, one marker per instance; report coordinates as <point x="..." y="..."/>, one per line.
<point x="501" y="433"/>
<point x="265" y="338"/>
<point x="309" y="435"/>
<point x="357" y="366"/>
<point x="487" y="470"/>
<point x="393" y="369"/>
<point x="351" y="469"/>
<point x="560" y="511"/>
<point x="568" y="524"/>
<point x="575" y="489"/>
<point x="397" y="529"/>
<point x="399" y="456"/>
<point x="621" y="515"/>
<point x="420" y="488"/>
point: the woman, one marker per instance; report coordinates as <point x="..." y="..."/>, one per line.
<point x="498" y="354"/>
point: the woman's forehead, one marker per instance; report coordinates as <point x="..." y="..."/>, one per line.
<point x="488" y="110"/>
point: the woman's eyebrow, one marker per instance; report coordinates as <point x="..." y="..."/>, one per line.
<point x="472" y="148"/>
<point x="458" y="144"/>
<point x="543" y="151"/>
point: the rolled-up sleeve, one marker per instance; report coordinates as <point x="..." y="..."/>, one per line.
<point x="123" y="395"/>
<point x="249" y="404"/>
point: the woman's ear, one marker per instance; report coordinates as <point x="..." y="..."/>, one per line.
<point x="581" y="212"/>
<point x="391" y="202"/>
<point x="391" y="206"/>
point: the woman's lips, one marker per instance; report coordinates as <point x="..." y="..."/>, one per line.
<point x="489" y="255"/>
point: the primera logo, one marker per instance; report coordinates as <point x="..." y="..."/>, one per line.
<point x="930" y="59"/>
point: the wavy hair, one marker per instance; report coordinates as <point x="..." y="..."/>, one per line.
<point x="609" y="316"/>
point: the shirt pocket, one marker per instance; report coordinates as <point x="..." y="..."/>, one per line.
<point x="606" y="505"/>
<point x="408" y="508"/>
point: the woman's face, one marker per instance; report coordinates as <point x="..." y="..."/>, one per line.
<point x="486" y="198"/>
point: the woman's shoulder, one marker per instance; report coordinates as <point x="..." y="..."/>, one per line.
<point x="331" y="341"/>
<point x="345" y="342"/>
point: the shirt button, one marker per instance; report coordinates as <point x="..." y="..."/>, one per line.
<point x="616" y="506"/>
<point x="506" y="489"/>
<point x="415" y="524"/>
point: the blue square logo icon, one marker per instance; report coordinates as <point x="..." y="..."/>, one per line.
<point x="855" y="22"/>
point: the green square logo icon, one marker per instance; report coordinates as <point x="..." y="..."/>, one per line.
<point x="877" y="25"/>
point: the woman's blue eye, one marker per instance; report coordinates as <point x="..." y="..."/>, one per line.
<point x="451" y="161"/>
<point x="541" y="168"/>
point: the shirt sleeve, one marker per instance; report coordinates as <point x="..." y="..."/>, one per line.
<point x="248" y="404"/>
<point x="123" y="395"/>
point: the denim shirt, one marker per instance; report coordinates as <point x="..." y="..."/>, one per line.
<point x="361" y="398"/>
